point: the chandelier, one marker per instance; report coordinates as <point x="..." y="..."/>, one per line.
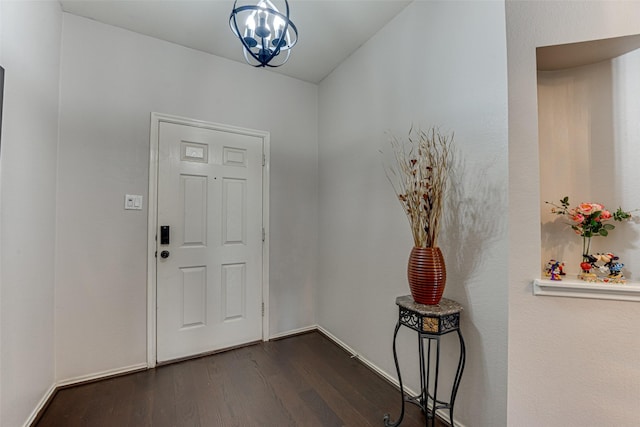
<point x="265" y="33"/>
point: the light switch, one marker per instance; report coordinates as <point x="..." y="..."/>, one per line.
<point x="133" y="201"/>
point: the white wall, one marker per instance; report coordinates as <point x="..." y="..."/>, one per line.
<point x="30" y="39"/>
<point x="111" y="80"/>
<point x="437" y="63"/>
<point x="571" y="362"/>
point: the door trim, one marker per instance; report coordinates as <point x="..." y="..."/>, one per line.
<point x="156" y="119"/>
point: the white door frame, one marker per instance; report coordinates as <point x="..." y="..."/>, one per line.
<point x="156" y="119"/>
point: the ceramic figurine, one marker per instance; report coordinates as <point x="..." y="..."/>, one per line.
<point x="607" y="264"/>
<point x="554" y="270"/>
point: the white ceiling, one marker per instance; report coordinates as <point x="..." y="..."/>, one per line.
<point x="329" y="30"/>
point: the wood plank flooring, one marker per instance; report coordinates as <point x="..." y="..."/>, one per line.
<point x="304" y="380"/>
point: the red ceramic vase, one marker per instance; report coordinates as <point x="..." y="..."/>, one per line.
<point x="427" y="275"/>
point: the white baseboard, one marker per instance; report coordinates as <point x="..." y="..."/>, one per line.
<point x="292" y="332"/>
<point x="78" y="380"/>
<point x="441" y="413"/>
<point x="101" y="375"/>
<point x="365" y="361"/>
<point x="40" y="406"/>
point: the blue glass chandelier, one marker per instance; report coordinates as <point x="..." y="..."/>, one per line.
<point x="267" y="35"/>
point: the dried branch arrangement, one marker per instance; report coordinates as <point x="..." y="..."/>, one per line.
<point x="419" y="178"/>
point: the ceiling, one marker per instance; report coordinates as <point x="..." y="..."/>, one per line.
<point x="329" y="30"/>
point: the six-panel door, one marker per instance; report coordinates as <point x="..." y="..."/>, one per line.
<point x="209" y="287"/>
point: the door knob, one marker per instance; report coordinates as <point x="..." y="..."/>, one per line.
<point x="164" y="254"/>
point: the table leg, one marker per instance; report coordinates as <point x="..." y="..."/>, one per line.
<point x="423" y="398"/>
<point x="456" y="382"/>
<point x="435" y="384"/>
<point x="387" y="417"/>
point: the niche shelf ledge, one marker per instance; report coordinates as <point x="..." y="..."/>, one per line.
<point x="629" y="291"/>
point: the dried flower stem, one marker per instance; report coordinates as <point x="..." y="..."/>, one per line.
<point x="419" y="178"/>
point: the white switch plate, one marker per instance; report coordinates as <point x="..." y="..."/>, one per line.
<point x="133" y="201"/>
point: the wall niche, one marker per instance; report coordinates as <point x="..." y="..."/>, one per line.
<point x="589" y="146"/>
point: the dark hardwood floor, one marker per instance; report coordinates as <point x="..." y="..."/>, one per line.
<point x="304" y="380"/>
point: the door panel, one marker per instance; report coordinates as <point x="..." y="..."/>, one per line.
<point x="194" y="296"/>
<point x="209" y="288"/>
<point x="193" y="190"/>
<point x="234" y="211"/>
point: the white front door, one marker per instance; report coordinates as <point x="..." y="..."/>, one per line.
<point x="209" y="271"/>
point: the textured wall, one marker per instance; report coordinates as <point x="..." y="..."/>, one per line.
<point x="437" y="63"/>
<point x="111" y="80"/>
<point x="30" y="38"/>
<point x="585" y="350"/>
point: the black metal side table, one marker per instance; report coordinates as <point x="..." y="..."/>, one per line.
<point x="431" y="322"/>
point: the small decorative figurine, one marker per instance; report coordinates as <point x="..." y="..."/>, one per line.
<point x="554" y="270"/>
<point x="606" y="264"/>
<point x="586" y="273"/>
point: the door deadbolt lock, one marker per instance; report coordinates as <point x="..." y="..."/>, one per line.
<point x="164" y="254"/>
<point x="164" y="234"/>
